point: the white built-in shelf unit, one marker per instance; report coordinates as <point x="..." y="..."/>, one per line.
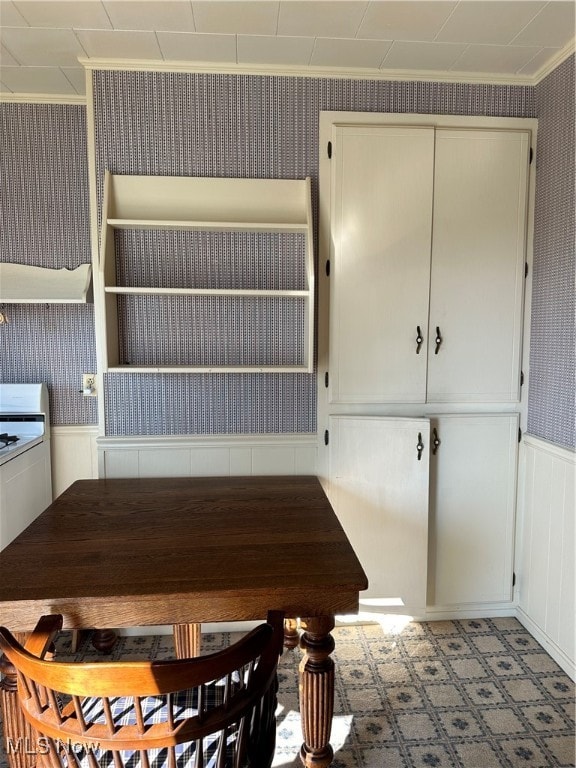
<point x="211" y="205"/>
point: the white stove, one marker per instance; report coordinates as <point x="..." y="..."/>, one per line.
<point x="25" y="466"/>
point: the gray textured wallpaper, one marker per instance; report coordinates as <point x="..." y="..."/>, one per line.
<point x="552" y="392"/>
<point x="44" y="222"/>
<point x="241" y="126"/>
<point x="176" y="123"/>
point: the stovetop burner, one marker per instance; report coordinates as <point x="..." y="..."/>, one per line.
<point x="6" y="439"/>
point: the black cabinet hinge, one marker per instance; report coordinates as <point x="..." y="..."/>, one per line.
<point x="327" y="267"/>
<point x="329" y="150"/>
<point x="326" y="379"/>
<point x="531" y="155"/>
<point x="326" y="437"/>
<point x="513" y="579"/>
<point x="521" y="378"/>
<point x="519" y="435"/>
<point x="526" y="269"/>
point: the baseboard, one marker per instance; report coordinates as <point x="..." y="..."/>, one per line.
<point x="559" y="656"/>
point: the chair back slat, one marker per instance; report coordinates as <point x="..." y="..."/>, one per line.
<point x="215" y="710"/>
<point x="77" y="704"/>
<point x="109" y="717"/>
<point x="140" y="716"/>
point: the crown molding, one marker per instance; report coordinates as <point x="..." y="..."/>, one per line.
<point x="555" y="62"/>
<point x="268" y="70"/>
<point x="146" y="65"/>
<point x="41" y="98"/>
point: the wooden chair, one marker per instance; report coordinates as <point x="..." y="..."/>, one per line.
<point x="214" y="711"/>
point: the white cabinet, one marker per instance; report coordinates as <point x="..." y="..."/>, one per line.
<point x="428" y="505"/>
<point x="217" y="325"/>
<point x="424" y="226"/>
<point x="472" y="503"/>
<point x="378" y="485"/>
<point x="428" y="232"/>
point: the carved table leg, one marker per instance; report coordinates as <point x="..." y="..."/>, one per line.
<point x="291" y="634"/>
<point x="104" y="640"/>
<point x="19" y="740"/>
<point x="317" y="691"/>
<point x="187" y="640"/>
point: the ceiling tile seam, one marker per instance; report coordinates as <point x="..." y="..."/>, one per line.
<point x="529" y="22"/>
<point x="359" y="27"/>
<point x="446" y="20"/>
<point x="193" y="17"/>
<point x="107" y="15"/>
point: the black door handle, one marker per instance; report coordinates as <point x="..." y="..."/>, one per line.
<point x="438" y="340"/>
<point x="419" y="446"/>
<point x="419" y="339"/>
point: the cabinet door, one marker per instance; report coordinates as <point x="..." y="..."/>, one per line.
<point x="380" y="262"/>
<point x="478" y="256"/>
<point x="379" y="490"/>
<point x="472" y="504"/>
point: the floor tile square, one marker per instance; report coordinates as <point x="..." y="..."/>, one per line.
<point x="430" y="756"/>
<point x="524" y="752"/>
<point x="376" y="757"/>
<point x="460" y="723"/>
<point x="444" y="695"/>
<point x="561" y="748"/>
<point x="539" y="663"/>
<point x="404" y="697"/>
<point x="505" y="666"/>
<point x="477" y="754"/>
<point x="502" y="721"/>
<point x="454" y="646"/>
<point x="431" y="670"/>
<point x="543" y="717"/>
<point x="369" y="729"/>
<point x="466" y="669"/>
<point x="488" y="644"/>
<point x="484" y="692"/>
<point x="523" y="689"/>
<point x="417" y="726"/>
<point x="558" y="686"/>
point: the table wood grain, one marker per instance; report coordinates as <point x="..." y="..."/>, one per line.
<point x="135" y="552"/>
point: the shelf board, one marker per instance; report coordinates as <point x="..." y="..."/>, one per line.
<point x="215" y="225"/>
<point x="25" y="284"/>
<point x="209" y="369"/>
<point x="235" y="292"/>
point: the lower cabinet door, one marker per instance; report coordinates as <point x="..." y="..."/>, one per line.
<point x="472" y="509"/>
<point x="378" y="485"/>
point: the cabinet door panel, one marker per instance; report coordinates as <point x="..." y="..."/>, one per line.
<point x="478" y="255"/>
<point x="379" y="490"/>
<point x="472" y="505"/>
<point x="381" y="224"/>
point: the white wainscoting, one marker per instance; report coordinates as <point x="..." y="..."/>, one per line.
<point x="211" y="455"/>
<point x="545" y="563"/>
<point x="73" y="455"/>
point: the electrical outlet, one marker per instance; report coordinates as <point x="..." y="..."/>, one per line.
<point x="89" y="384"/>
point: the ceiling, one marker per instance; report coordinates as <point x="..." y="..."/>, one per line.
<point x="512" y="41"/>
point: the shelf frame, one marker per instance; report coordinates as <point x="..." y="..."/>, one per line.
<point x="202" y="204"/>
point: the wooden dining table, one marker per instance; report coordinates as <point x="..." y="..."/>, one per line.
<point x="119" y="553"/>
